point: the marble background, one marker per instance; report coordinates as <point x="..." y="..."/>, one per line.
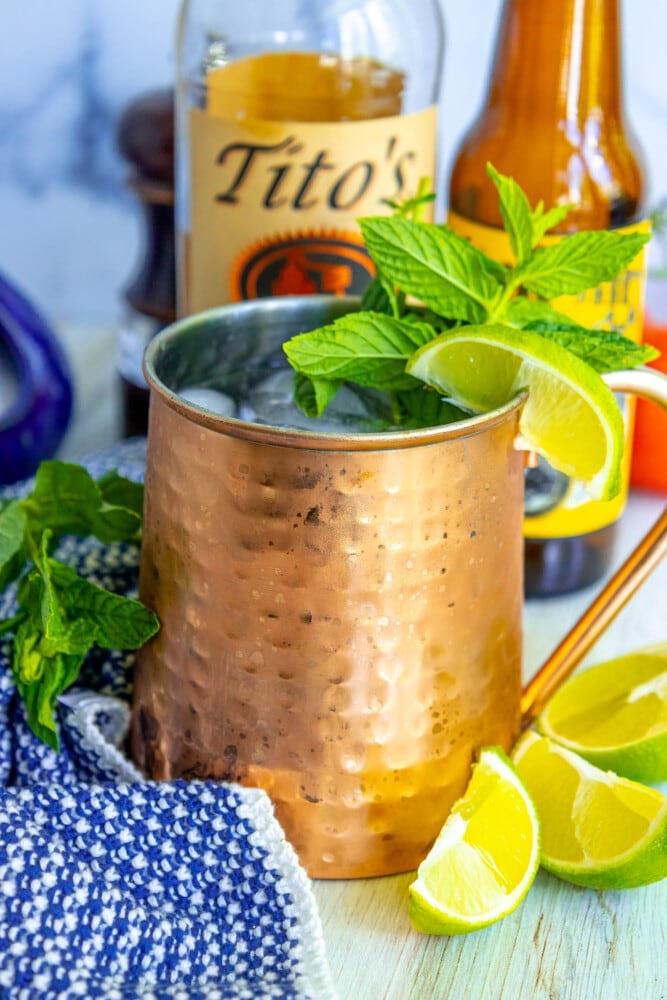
<point x="70" y="232"/>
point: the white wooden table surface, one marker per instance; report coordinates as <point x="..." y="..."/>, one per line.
<point x="564" y="942"/>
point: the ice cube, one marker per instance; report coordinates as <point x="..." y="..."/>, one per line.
<point x="209" y="399"/>
<point x="352" y="411"/>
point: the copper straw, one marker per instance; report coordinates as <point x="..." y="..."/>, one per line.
<point x="594" y="621"/>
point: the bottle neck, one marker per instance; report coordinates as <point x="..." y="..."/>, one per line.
<point x="559" y="60"/>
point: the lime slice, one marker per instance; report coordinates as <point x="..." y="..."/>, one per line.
<point x="598" y="829"/>
<point x="570" y="417"/>
<point x="486" y="855"/>
<point x="615" y="715"/>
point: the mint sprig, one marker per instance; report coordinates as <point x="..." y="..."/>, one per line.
<point x="60" y="615"/>
<point x="429" y="278"/>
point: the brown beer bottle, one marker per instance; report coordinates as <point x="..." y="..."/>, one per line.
<point x="293" y="120"/>
<point x="553" y="119"/>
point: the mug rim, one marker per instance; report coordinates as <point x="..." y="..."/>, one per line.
<point x="298" y="437"/>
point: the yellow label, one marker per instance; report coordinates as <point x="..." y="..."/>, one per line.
<point x="274" y="205"/>
<point x="616" y="305"/>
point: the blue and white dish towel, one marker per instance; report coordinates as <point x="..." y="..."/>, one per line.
<point x="116" y="887"/>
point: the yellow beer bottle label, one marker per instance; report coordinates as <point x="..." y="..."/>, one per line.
<point x="274" y="203"/>
<point x="615" y="305"/>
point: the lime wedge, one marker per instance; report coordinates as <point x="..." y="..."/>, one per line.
<point x="598" y="829"/>
<point x="615" y="714"/>
<point x="486" y="855"/>
<point x="571" y="417"/>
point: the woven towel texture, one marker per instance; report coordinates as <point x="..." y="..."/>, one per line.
<point x="112" y="886"/>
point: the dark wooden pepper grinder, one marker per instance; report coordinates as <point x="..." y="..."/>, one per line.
<point x="145" y="137"/>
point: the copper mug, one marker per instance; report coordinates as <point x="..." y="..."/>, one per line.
<point x="341" y="615"/>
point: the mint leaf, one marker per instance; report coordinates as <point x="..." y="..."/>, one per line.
<point x="12" y="553"/>
<point x="38" y="601"/>
<point x="604" y="350"/>
<point x="11" y="624"/>
<point x="544" y="221"/>
<point x="28" y="665"/>
<point x="413" y="208"/>
<point x="381" y="296"/>
<point x="121" y="492"/>
<point x="524" y="226"/>
<point x="12" y="527"/>
<point x="580" y="261"/>
<point x="516" y="214"/>
<point x="66" y="499"/>
<point x="113" y="621"/>
<point x="368" y="348"/>
<point x="423" y="407"/>
<point x="434" y="264"/>
<point x="523" y="312"/>
<point x="314" y="395"/>
<point x="52" y="624"/>
<point x="40" y="679"/>
<point x="40" y="697"/>
<point x="376" y="298"/>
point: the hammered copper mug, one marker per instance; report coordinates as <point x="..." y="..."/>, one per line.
<point x="340" y="614"/>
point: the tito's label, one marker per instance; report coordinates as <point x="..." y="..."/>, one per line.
<point x="274" y="205"/>
<point x="557" y="507"/>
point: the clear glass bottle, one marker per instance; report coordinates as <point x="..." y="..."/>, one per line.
<point x="553" y="119"/>
<point x="294" y="119"/>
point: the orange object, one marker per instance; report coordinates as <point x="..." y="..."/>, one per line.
<point x="649" y="451"/>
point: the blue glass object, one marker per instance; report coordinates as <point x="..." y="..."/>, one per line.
<point x="36" y="411"/>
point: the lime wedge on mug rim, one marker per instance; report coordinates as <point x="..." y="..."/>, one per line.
<point x="571" y="417"/>
<point x="615" y="714"/>
<point x="485" y="858"/>
<point x="597" y="829"/>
